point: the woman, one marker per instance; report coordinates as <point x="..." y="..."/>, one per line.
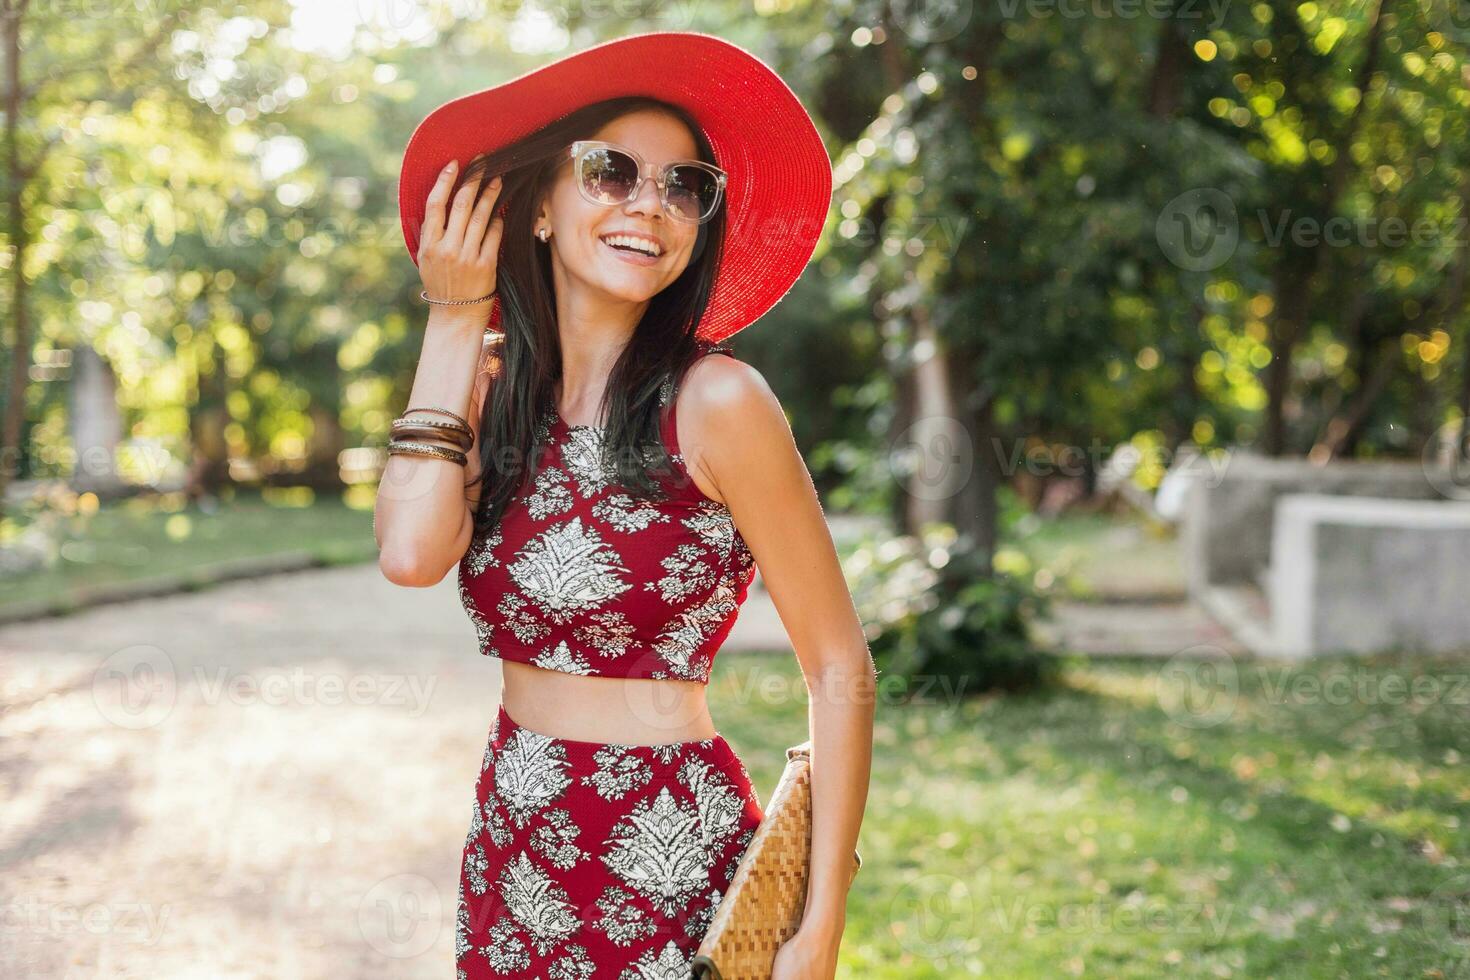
<point x="617" y="479"/>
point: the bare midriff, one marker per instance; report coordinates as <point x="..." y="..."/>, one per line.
<point x="624" y="710"/>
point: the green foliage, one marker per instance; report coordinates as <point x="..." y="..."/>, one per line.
<point x="939" y="616"/>
<point x="1023" y="172"/>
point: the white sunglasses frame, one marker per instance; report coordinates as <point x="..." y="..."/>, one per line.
<point x="645" y="172"/>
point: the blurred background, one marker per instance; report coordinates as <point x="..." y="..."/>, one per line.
<point x="1132" y="367"/>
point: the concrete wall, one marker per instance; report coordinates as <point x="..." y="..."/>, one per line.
<point x="1227" y="521"/>
<point x="1366" y="575"/>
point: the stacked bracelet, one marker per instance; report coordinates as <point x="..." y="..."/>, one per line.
<point x="458" y="430"/>
<point x="439" y="411"/>
<point x="398" y="446"/>
<point x="429" y="428"/>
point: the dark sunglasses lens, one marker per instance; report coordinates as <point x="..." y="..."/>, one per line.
<point x="693" y="192"/>
<point x="608" y="175"/>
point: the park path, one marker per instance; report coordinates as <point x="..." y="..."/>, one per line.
<point x="1137" y="626"/>
<point x="1137" y="604"/>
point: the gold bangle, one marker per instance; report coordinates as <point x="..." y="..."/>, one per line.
<point x="397" y="447"/>
<point x="413" y="432"/>
<point x="428" y="435"/>
<point x="461" y="435"/>
<point x="438" y="411"/>
<point x="457" y="426"/>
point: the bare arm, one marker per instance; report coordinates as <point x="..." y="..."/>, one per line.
<point x="423" y="516"/>
<point x="424" y="513"/>
<point x="762" y="478"/>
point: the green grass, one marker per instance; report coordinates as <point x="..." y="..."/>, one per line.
<point x="1316" y="824"/>
<point x="1098" y="556"/>
<point x="149" y="538"/>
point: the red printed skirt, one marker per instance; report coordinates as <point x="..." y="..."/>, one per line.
<point x="597" y="861"/>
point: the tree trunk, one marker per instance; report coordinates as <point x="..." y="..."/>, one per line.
<point x="1171" y="57"/>
<point x="1292" y="305"/>
<point x="933" y="433"/>
<point x="1342" y="432"/>
<point x="976" y="504"/>
<point x="958" y="474"/>
<point x="12" y="416"/>
<point x="209" y="464"/>
<point x="898" y="426"/>
<point x="323" y="469"/>
<point x="1294" y="281"/>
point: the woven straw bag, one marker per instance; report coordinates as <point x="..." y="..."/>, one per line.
<point x="763" y="906"/>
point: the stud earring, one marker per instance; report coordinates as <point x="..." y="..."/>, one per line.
<point x="544" y="234"/>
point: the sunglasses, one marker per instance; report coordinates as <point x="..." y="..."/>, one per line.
<point x="610" y="175"/>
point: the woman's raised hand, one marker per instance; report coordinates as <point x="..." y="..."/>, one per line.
<point x="457" y="258"/>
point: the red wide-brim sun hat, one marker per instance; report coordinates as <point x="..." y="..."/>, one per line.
<point x="779" y="189"/>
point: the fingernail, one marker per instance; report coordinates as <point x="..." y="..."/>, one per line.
<point x="449" y="167"/>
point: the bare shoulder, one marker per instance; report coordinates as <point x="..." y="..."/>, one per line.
<point x="728" y="419"/>
<point x="741" y="441"/>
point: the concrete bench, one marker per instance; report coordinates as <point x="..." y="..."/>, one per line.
<point x="1364" y="575"/>
<point x="1227" y="521"/>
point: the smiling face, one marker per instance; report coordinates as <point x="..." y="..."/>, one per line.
<point x="585" y="266"/>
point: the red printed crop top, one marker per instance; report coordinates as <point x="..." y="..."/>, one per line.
<point x="581" y="577"/>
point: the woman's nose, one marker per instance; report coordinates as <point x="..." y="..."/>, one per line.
<point x="637" y="202"/>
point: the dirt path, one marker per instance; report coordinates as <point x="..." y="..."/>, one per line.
<point x="271" y="778"/>
<point x="1159" y="628"/>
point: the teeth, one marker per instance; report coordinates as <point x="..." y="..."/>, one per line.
<point x="641" y="244"/>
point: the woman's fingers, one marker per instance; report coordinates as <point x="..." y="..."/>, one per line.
<point x="475" y="232"/>
<point x="433" y="228"/>
<point x="459" y="212"/>
<point x="453" y="260"/>
<point x="490" y="247"/>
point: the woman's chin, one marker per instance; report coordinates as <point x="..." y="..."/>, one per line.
<point x="631" y="288"/>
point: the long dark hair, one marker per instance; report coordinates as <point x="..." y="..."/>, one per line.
<point x="527" y="355"/>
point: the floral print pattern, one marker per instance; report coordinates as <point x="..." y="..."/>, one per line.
<point x="580" y="576"/>
<point x="597" y="861"/>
